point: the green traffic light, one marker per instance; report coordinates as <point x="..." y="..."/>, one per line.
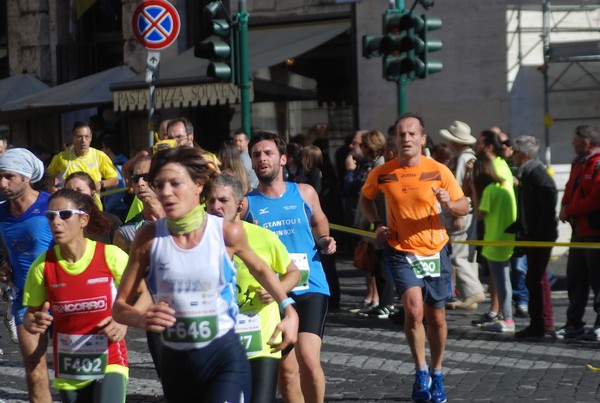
<point x="221" y="28"/>
<point x="425" y="46"/>
<point x="393" y="20"/>
<point x="213" y="50"/>
<point x="404" y="45"/>
<point x="392" y="67"/>
<point x="392" y="43"/>
<point x="432" y="23"/>
<point x="372" y="45"/>
<point x="219" y="70"/>
<point x="434" y="66"/>
<point x="211" y="9"/>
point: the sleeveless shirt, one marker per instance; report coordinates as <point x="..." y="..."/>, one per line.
<point x="198" y="283"/>
<point x="289" y="217"/>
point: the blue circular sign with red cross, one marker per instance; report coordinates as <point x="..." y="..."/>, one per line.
<point x="155" y="24"/>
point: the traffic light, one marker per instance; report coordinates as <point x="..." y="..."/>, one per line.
<point x="394" y="46"/>
<point x="221" y="52"/>
<point x="404" y="45"/>
<point x="372" y="45"/>
<point x="424" y="46"/>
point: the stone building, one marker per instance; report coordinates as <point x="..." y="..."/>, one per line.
<point x="482" y="83"/>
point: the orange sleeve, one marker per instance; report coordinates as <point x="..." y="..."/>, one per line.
<point x="371" y="187"/>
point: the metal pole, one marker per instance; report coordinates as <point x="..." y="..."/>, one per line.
<point x="546" y="41"/>
<point x="401" y="84"/>
<point x="243" y="64"/>
<point x="152" y="71"/>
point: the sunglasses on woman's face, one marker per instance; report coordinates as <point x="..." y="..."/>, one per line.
<point x="64" y="214"/>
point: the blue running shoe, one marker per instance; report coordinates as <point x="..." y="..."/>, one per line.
<point x="438" y="395"/>
<point x="420" y="393"/>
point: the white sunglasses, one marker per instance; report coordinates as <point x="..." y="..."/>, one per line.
<point x="64" y="214"/>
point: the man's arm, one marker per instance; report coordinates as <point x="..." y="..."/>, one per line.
<point x="318" y="222"/>
<point x="458" y="207"/>
<point x="110" y="175"/>
<point x="288" y="281"/>
<point x="237" y="243"/>
<point x="369" y="208"/>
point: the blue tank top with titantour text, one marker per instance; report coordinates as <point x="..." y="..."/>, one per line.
<point x="289" y="217"/>
<point x="198" y="283"/>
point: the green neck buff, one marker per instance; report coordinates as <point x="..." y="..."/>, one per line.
<point x="191" y="222"/>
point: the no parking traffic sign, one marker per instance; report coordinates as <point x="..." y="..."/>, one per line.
<point x="155" y="24"/>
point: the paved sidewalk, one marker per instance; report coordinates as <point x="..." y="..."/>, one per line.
<point x="368" y="360"/>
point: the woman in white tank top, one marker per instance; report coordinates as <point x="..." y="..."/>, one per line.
<point x="192" y="281"/>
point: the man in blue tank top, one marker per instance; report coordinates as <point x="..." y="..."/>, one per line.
<point x="293" y="212"/>
<point x="25" y="234"/>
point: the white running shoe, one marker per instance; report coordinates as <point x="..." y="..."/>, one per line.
<point x="12" y="328"/>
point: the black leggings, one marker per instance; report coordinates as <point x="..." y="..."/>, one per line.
<point x="155" y="346"/>
<point x="111" y="389"/>
<point x="264" y="379"/>
<point x="219" y="372"/>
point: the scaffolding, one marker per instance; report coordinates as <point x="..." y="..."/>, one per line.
<point x="568" y="38"/>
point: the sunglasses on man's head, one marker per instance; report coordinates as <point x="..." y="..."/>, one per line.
<point x="136" y="177"/>
<point x="64" y="214"/>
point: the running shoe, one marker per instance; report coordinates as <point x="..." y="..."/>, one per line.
<point x="12" y="328"/>
<point x="438" y="394"/>
<point x="421" y="393"/>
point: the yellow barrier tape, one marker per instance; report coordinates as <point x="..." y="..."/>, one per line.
<point x="112" y="191"/>
<point x="590" y="366"/>
<point x="533" y="244"/>
<point x="353" y="231"/>
<point x="523" y="244"/>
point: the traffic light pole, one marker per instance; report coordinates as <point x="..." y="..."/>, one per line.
<point x="243" y="68"/>
<point x="404" y="46"/>
<point x="401" y="83"/>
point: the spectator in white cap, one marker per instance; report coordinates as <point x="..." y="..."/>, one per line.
<point x="23" y="226"/>
<point x="469" y="287"/>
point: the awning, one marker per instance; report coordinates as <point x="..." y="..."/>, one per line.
<point x="86" y="92"/>
<point x="183" y="81"/>
<point x="19" y="86"/>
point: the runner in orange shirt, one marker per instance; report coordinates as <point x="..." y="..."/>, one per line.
<point x="416" y="188"/>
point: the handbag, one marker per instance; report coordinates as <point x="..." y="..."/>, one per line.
<point x="364" y="256"/>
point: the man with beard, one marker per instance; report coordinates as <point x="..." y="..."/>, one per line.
<point x="293" y="212"/>
<point x="581" y="208"/>
<point x="26" y="234"/>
